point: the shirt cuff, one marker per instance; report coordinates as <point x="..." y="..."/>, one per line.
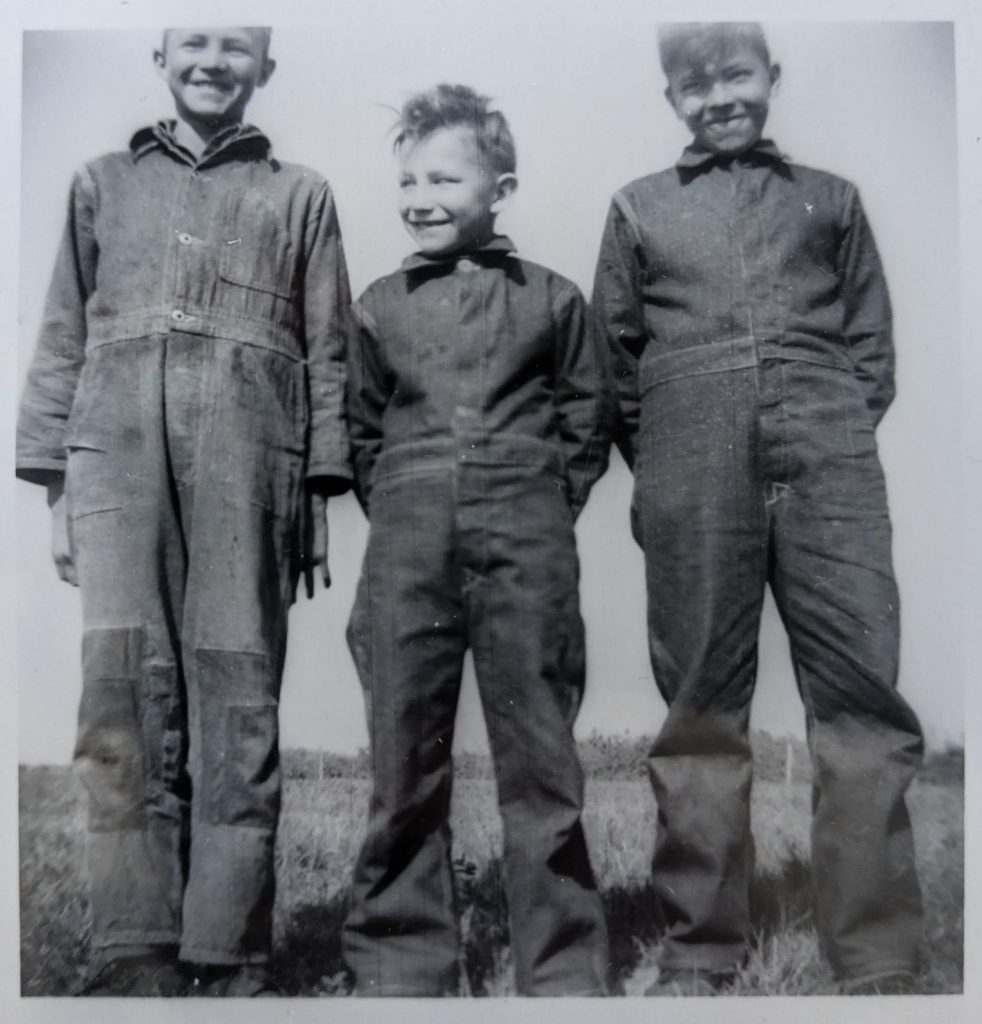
<point x="40" y="471"/>
<point x="329" y="480"/>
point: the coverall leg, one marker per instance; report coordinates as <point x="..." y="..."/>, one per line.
<point x="788" y="489"/>
<point x="834" y="584"/>
<point x="521" y="576"/>
<point x="408" y="639"/>
<point x="184" y="519"/>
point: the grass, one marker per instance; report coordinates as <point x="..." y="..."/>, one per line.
<point x="322" y="828"/>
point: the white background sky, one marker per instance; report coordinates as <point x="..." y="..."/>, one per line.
<point x="581" y="87"/>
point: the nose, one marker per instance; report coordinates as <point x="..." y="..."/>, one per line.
<point x="213" y="57"/>
<point x="416" y="201"/>
<point x="719" y="95"/>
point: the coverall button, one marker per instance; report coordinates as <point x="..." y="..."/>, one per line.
<point x="466" y="264"/>
<point x="184" y="238"/>
<point x="177" y="315"/>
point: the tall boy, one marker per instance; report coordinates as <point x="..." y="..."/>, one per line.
<point x="476" y="412"/>
<point x="186" y="390"/>
<point x="745" y="305"/>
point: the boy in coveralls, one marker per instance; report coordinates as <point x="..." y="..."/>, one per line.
<point x="477" y="419"/>
<point x="186" y="390"/>
<point x="745" y="306"/>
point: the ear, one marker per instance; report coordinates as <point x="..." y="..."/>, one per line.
<point x="504" y="189"/>
<point x="160" y="61"/>
<point x="670" y="96"/>
<point x="269" y="66"/>
<point x="775" y="76"/>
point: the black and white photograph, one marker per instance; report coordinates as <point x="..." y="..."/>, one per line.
<point x="493" y="508"/>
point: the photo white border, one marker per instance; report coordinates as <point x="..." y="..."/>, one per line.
<point x="17" y="15"/>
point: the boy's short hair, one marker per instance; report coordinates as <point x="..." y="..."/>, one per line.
<point x="263" y="32"/>
<point x="450" y="106"/>
<point x="688" y="43"/>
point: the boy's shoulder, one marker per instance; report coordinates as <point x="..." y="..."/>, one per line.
<point x="815" y="177"/>
<point x="147" y="140"/>
<point x="669" y="181"/>
<point x="655" y="183"/>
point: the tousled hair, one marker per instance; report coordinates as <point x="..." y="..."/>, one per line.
<point x="688" y="43"/>
<point x="450" y="106"/>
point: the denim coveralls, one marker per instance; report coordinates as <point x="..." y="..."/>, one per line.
<point x="189" y="375"/>
<point x="749" y="321"/>
<point x="478" y="424"/>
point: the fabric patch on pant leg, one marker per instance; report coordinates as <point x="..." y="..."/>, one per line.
<point x="109" y="749"/>
<point x="240" y="773"/>
<point x="163" y="730"/>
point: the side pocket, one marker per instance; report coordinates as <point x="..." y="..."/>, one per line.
<point x="91" y="485"/>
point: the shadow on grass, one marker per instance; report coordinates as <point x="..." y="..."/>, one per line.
<point x="781" y="898"/>
<point x="308" y="959"/>
<point x="778" y="898"/>
<point x="634" y="922"/>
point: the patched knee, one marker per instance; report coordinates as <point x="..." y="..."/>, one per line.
<point x="240" y="773"/>
<point x="108" y="753"/>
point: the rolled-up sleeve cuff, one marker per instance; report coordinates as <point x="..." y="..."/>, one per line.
<point x="39" y="470"/>
<point x="329" y="479"/>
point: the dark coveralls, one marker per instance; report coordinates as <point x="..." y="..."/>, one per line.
<point x="477" y="419"/>
<point x="190" y="365"/>
<point x="749" y="321"/>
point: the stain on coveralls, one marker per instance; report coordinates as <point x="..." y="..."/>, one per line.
<point x="194" y="379"/>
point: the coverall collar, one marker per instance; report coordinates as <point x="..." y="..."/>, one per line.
<point x="695" y="159"/>
<point x="499" y="245"/>
<point x="239" y="141"/>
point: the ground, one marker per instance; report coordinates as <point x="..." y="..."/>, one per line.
<point x="322" y="828"/>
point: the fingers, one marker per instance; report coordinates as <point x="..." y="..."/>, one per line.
<point x="322" y="553"/>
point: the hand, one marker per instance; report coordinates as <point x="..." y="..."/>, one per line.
<point x="315" y="543"/>
<point x="61" y="544"/>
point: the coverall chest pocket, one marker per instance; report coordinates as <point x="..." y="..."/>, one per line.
<point x="256" y="252"/>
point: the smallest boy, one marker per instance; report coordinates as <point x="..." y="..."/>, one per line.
<point x="744" y="302"/>
<point x="476" y="412"/>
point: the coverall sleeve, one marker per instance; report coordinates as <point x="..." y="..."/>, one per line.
<point x="368" y="391"/>
<point x="60" y="352"/>
<point x="582" y="397"/>
<point x="618" y="319"/>
<point x="868" y="323"/>
<point x="326" y="298"/>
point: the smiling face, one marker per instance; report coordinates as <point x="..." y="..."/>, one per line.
<point x="213" y="72"/>
<point x="448" y="195"/>
<point x="724" y="101"/>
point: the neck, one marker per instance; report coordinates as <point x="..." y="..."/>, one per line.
<point x="194" y="137"/>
